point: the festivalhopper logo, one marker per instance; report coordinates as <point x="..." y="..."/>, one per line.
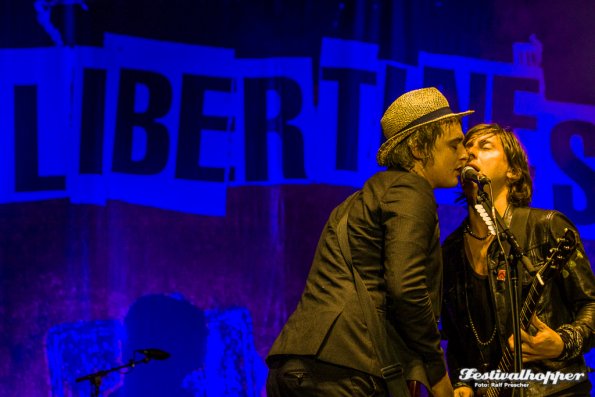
<point x="516" y="379"/>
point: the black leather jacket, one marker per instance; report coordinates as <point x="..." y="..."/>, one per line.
<point x="568" y="300"/>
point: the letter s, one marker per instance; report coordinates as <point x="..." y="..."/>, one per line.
<point x="577" y="170"/>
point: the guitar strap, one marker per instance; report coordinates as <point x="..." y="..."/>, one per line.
<point x="391" y="369"/>
<point x="518" y="225"/>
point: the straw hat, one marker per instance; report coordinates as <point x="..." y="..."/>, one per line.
<point x="409" y="111"/>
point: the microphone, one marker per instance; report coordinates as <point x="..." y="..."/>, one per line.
<point x="470" y="174"/>
<point x="154" y="354"/>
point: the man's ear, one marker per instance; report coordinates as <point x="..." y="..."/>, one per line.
<point x="513" y="175"/>
<point x="415" y="151"/>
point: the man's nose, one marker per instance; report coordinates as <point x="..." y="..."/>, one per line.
<point x="464" y="155"/>
<point x="470" y="154"/>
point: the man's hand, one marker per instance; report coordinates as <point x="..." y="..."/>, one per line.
<point x="545" y="344"/>
<point x="464" y="391"/>
<point x="443" y="388"/>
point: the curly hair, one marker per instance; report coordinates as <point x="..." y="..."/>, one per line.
<point x="422" y="141"/>
<point x="520" y="187"/>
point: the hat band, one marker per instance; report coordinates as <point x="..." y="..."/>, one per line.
<point x="427" y="117"/>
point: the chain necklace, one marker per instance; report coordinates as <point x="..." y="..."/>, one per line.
<point x="475" y="236"/>
<point x="475" y="333"/>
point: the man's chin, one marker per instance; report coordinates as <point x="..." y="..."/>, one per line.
<point x="448" y="185"/>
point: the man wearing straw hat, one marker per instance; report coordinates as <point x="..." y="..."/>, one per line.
<point x="367" y="319"/>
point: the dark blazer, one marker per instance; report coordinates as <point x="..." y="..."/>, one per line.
<point x="394" y="239"/>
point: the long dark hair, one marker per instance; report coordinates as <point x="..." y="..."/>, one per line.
<point x="521" y="185"/>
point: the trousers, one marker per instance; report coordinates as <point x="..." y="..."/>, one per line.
<point x="304" y="376"/>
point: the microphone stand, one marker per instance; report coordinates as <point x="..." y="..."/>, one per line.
<point x="96" y="378"/>
<point x="517" y="256"/>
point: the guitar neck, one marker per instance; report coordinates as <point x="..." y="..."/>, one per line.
<point x="506" y="363"/>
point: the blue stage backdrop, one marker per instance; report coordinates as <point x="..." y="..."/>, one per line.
<point x="166" y="168"/>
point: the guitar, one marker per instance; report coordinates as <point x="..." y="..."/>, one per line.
<point x="551" y="268"/>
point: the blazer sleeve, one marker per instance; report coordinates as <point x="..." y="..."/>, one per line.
<point x="410" y="227"/>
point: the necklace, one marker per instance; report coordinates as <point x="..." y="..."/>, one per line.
<point x="475" y="333"/>
<point x="475" y="236"/>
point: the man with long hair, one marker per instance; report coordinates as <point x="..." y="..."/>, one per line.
<point x="367" y="318"/>
<point x="476" y="314"/>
